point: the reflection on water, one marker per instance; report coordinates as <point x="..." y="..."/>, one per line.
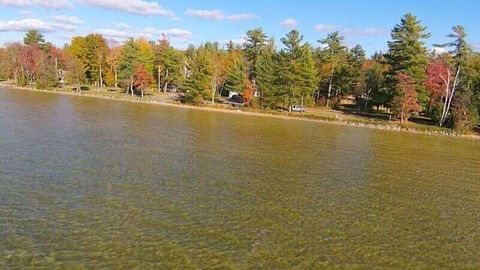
<point x="94" y="183"/>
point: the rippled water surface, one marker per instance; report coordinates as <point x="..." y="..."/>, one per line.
<point x="88" y="183"/>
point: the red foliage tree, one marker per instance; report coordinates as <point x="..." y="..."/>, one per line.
<point x="437" y="73"/>
<point x="405" y="102"/>
<point x="142" y="79"/>
<point x="31" y="57"/>
<point x="248" y="93"/>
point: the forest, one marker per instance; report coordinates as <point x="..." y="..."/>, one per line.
<point x="405" y="81"/>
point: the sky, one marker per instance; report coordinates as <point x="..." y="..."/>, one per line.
<point x="364" y="22"/>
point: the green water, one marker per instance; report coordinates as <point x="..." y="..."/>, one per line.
<point x="88" y="183"/>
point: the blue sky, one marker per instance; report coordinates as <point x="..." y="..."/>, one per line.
<point x="365" y="22"/>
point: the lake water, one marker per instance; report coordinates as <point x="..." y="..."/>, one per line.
<point x="90" y="183"/>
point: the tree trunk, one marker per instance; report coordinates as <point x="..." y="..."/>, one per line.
<point x="116" y="77"/>
<point x="449" y="95"/>
<point x="330" y="86"/>
<point x="101" y="79"/>
<point x="214" y="90"/>
<point x="79" y="88"/>
<point x="302" y="104"/>
<point x="159" y="83"/>
<point x="165" y="86"/>
<point x="166" y="81"/>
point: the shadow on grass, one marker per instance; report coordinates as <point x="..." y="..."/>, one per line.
<point x="382" y="115"/>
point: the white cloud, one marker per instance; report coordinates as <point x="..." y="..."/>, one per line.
<point x="351" y="31"/>
<point x="172" y="33"/>
<point x="123" y="25"/>
<point x="476" y="46"/>
<point x="24" y="25"/>
<point x="140" y="7"/>
<point x="55" y="4"/>
<point x="439" y="50"/>
<point x="325" y="27"/>
<point x="219" y="15"/>
<point x="241" y="17"/>
<point x="147" y="33"/>
<point x="237" y="41"/>
<point x="289" y="23"/>
<point x="118" y="34"/>
<point x="206" y="14"/>
<point x="68" y="20"/>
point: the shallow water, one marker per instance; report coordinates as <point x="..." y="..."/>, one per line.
<point x="90" y="183"/>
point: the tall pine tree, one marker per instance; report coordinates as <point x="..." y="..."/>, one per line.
<point x="408" y="55"/>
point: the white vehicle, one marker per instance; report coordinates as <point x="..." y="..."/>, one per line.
<point x="296" y="108"/>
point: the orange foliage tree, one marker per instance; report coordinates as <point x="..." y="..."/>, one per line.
<point x="142" y="79"/>
<point x="405" y="101"/>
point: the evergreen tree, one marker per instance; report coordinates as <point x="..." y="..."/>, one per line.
<point x="236" y="76"/>
<point x="128" y="62"/>
<point x="198" y="86"/>
<point x="465" y="112"/>
<point x="297" y="77"/>
<point x="308" y="72"/>
<point x="171" y="63"/>
<point x="334" y="66"/>
<point x="375" y="84"/>
<point x="408" y="54"/>
<point x="266" y="80"/>
<point x="289" y="68"/>
<point x="255" y="44"/>
<point x="33" y="37"/>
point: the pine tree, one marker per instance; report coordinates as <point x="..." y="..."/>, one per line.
<point x="255" y="44"/>
<point x="408" y="54"/>
<point x="465" y="110"/>
<point x="289" y="67"/>
<point x="236" y="76"/>
<point x="334" y="66"/>
<point x="308" y="72"/>
<point x="198" y="86"/>
<point x="128" y="62"/>
<point x="266" y="80"/>
<point x="33" y="37"/>
<point x="169" y="62"/>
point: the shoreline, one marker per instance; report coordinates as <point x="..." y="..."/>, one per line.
<point x="276" y="115"/>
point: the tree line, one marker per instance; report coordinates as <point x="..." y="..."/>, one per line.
<point x="408" y="79"/>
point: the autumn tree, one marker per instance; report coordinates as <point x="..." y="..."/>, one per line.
<point x="405" y="102"/>
<point x="113" y="57"/>
<point x="142" y="79"/>
<point x="75" y="65"/>
<point x="96" y="51"/>
<point x="465" y="112"/>
<point x="442" y="85"/>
